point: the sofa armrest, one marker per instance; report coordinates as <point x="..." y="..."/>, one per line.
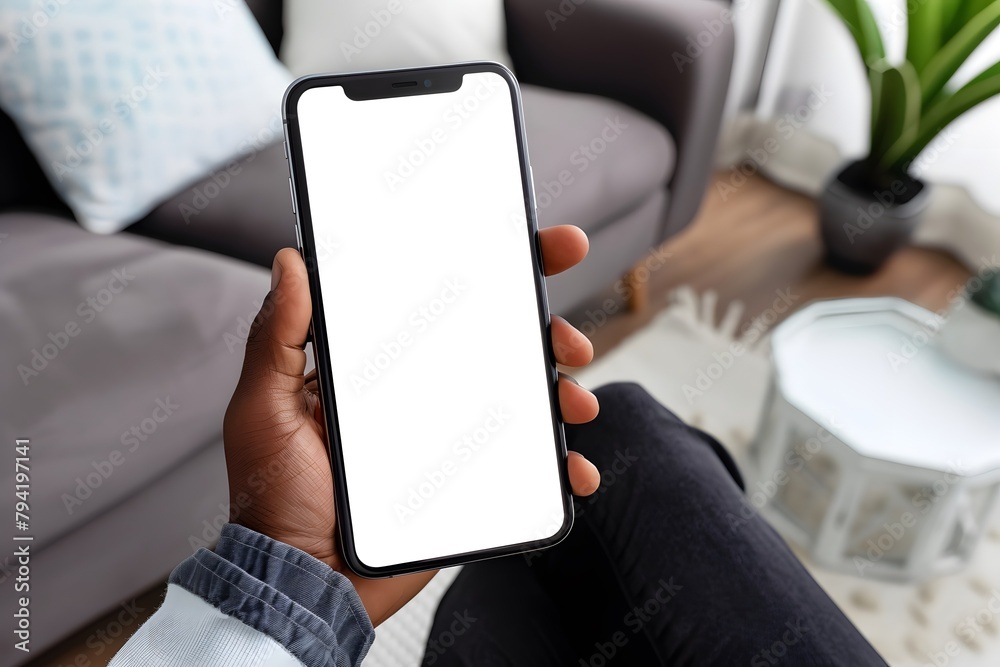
<point x="644" y="53"/>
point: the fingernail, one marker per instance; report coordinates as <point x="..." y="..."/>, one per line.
<point x="275" y="273"/>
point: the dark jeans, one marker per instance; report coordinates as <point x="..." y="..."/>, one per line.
<point x="661" y="568"/>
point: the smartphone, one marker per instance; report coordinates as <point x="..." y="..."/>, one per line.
<point x="416" y="219"/>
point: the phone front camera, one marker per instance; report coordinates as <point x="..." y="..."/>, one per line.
<point x="427" y="83"/>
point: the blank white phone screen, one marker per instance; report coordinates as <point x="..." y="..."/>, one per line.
<point x="427" y="282"/>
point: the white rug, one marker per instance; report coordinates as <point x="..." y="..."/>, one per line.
<point x="685" y="358"/>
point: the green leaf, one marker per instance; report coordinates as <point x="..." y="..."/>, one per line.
<point x="899" y="106"/>
<point x="860" y="22"/>
<point x="941" y="114"/>
<point x="952" y="19"/>
<point x="966" y="9"/>
<point x="942" y="67"/>
<point x="925" y="30"/>
<point x="958" y="13"/>
<point x="875" y="84"/>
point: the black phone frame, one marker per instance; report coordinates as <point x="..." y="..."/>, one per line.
<point x="379" y="85"/>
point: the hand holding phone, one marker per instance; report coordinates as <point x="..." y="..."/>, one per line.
<point x="416" y="220"/>
<point x="280" y="482"/>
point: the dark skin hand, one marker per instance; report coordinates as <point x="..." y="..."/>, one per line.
<point x="280" y="481"/>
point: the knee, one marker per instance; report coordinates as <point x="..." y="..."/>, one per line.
<point x="633" y="424"/>
<point x="630" y="398"/>
<point x="629" y="416"/>
<point x="628" y="410"/>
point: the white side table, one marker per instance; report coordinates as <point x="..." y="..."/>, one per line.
<point x="877" y="453"/>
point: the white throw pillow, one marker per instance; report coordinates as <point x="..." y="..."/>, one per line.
<point x="352" y="36"/>
<point x="126" y="102"/>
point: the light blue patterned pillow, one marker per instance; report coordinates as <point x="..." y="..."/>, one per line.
<point x="124" y="102"/>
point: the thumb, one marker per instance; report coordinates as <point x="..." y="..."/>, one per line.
<point x="275" y="353"/>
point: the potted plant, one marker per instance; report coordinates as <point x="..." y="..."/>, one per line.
<point x="870" y="208"/>
<point x="971" y="333"/>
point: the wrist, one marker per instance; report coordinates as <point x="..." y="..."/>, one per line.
<point x="320" y="548"/>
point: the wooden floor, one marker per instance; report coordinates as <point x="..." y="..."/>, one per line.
<point x="750" y="245"/>
<point x="761" y="240"/>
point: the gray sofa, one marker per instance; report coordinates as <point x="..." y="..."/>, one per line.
<point x="125" y="413"/>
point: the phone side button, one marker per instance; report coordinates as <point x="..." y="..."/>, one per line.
<point x="298" y="236"/>
<point x="531" y="177"/>
<point x="291" y="193"/>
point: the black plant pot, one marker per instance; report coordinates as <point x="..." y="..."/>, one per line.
<point x="864" y="220"/>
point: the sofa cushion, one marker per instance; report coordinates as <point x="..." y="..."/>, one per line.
<point x="243" y="210"/>
<point x="23" y="184"/>
<point x="119" y="356"/>
<point x="594" y="160"/>
<point x="124" y="102"/>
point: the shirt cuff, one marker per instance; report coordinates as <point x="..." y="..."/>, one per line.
<point x="300" y="602"/>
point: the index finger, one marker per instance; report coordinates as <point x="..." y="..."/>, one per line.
<point x="563" y="247"/>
